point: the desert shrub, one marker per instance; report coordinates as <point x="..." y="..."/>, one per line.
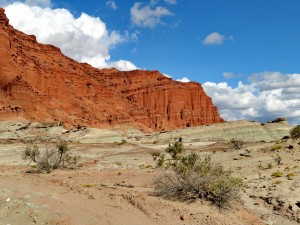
<point x="290" y="176"/>
<point x="277" y="159"/>
<point x="188" y="178"/>
<point x="277" y="174"/>
<point x="270" y="165"/>
<point x="118" y="163"/>
<point x="295" y="132"/>
<point x="31" y="153"/>
<point x="276" y="147"/>
<point x="122" y="142"/>
<point x="277" y="182"/>
<point x="49" y="160"/>
<point x="236" y="144"/>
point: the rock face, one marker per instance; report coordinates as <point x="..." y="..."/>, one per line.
<point x="39" y="83"/>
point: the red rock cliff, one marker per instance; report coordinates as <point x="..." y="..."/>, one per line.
<point x="41" y="84"/>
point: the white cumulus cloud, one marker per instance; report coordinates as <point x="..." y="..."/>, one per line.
<point x="41" y="3"/>
<point x="145" y="16"/>
<point x="123" y="65"/>
<point x="274" y="80"/>
<point x="184" y="80"/>
<point x="267" y="96"/>
<point x="214" y="39"/>
<point x="85" y="39"/>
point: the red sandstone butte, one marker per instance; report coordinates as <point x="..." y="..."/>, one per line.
<point x="39" y="83"/>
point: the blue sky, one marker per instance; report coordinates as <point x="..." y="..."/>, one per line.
<point x="260" y="35"/>
<point x="245" y="53"/>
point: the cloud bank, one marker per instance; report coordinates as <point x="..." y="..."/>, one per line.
<point x="85" y="39"/>
<point x="268" y="95"/>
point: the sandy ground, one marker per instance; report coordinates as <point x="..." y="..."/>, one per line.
<point x="115" y="186"/>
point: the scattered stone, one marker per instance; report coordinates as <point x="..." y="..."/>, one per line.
<point x="183" y="217"/>
<point x="91" y="197"/>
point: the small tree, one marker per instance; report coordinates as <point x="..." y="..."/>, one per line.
<point x="188" y="178"/>
<point x="295" y="132"/>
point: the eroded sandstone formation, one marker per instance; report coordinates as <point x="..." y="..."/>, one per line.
<point x="39" y="83"/>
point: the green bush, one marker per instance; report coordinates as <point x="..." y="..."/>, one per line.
<point x="188" y="178"/>
<point x="295" y="132"/>
<point x="49" y="160"/>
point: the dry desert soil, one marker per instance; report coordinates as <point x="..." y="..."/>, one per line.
<point x="115" y="186"/>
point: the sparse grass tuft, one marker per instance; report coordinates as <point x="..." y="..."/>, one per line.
<point x="277" y="182"/>
<point x="118" y="163"/>
<point x="290" y="176"/>
<point x="123" y="142"/>
<point x="276" y="147"/>
<point x="88" y="185"/>
<point x="277" y="174"/>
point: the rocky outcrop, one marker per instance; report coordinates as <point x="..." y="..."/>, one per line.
<point x="14" y="131"/>
<point x="39" y="83"/>
<point x="239" y="130"/>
